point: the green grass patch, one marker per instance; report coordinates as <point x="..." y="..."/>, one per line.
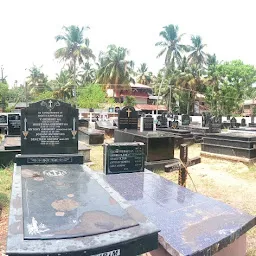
<point x="5" y="186"/>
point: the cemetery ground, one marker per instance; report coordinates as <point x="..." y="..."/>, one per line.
<point x="231" y="182"/>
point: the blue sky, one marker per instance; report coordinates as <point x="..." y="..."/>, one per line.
<point x="28" y="28"/>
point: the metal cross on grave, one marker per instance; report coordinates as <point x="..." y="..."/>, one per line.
<point x="128" y="111"/>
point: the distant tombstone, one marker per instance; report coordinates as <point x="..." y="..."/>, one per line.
<point x="185" y="119"/>
<point x="174" y="124"/>
<point x="207" y="119"/>
<point x="233" y="122"/>
<point x="228" y="117"/>
<point x="117" y="109"/>
<point x="176" y="117"/>
<point x="252" y="119"/>
<point x="111" y="109"/>
<point x="123" y="157"/>
<point x="162" y="120"/>
<point x="203" y="120"/>
<point x="49" y="127"/>
<point x="148" y="123"/>
<point x="14" y="124"/>
<point x="220" y="119"/>
<point x="91" y="110"/>
<point x="128" y="118"/>
<point x="3" y="119"/>
<point x="243" y="122"/>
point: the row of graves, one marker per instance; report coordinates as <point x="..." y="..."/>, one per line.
<point x="10" y="126"/>
<point x="11" y="144"/>
<point x="59" y="206"/>
<point x="236" y="144"/>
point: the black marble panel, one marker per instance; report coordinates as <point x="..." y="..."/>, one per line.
<point x="123" y="157"/>
<point x="49" y="127"/>
<point x="158" y="145"/>
<point x="14" y="124"/>
<point x="128" y="118"/>
<point x="148" y="123"/>
<point x="3" y="119"/>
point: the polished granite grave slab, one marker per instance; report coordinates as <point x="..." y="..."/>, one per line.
<point x="74" y="207"/>
<point x="191" y="224"/>
<point x="235" y="144"/>
<point x="50" y="203"/>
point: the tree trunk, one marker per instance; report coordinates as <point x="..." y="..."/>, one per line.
<point x="188" y="103"/>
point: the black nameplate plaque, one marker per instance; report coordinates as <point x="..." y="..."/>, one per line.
<point x="3" y="119"/>
<point x="123" y="157"/>
<point x="148" y="123"/>
<point x="49" y="127"/>
<point x="128" y="118"/>
<point x="13" y="124"/>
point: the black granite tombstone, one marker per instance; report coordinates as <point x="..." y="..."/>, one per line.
<point x="176" y="117"/>
<point x="3" y="119"/>
<point x="14" y="124"/>
<point x="123" y="157"/>
<point x="185" y="119"/>
<point x="243" y="122"/>
<point x="228" y="117"/>
<point x="148" y="123"/>
<point x="233" y="122"/>
<point x="49" y="127"/>
<point x="162" y="121"/>
<point x="128" y="118"/>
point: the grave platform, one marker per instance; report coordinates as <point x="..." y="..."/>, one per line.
<point x="12" y="142"/>
<point x="186" y="135"/>
<point x="235" y="144"/>
<point x="90" y="136"/>
<point x="106" y="126"/>
<point x="158" y="145"/>
<point x="64" y="210"/>
<point x="191" y="224"/>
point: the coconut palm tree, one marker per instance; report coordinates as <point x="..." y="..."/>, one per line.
<point x="76" y="50"/>
<point x="63" y="85"/>
<point x="114" y="68"/>
<point x="171" y="45"/>
<point x="197" y="55"/>
<point x="144" y="77"/>
<point x="87" y="74"/>
<point x="37" y="81"/>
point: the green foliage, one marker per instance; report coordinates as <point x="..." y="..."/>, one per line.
<point x="3" y="90"/>
<point x="36" y="81"/>
<point x="254" y="111"/>
<point x="114" y="68"/>
<point x="129" y="101"/>
<point x="3" y="95"/>
<point x="16" y="94"/>
<point x="43" y="96"/>
<point x="76" y="48"/>
<point x="228" y="85"/>
<point x="91" y="96"/>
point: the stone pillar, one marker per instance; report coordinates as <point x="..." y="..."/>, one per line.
<point x="141" y="124"/>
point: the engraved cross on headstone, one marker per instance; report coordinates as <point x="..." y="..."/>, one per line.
<point x="128" y="111"/>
